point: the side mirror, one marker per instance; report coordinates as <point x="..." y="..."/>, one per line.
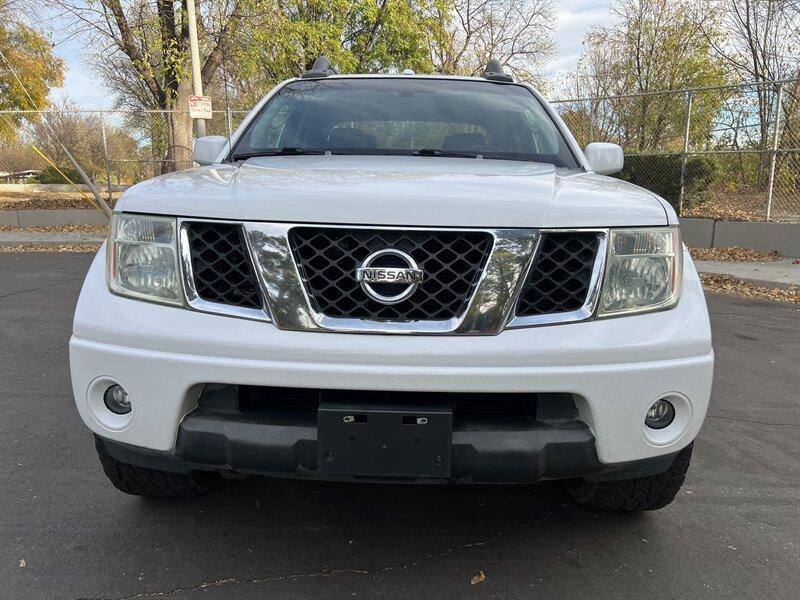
<point x="604" y="158"/>
<point x="208" y="148"/>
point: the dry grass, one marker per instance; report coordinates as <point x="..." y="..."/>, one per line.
<point x="50" y="200"/>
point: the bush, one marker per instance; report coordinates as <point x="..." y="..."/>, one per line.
<point x="50" y="175"/>
<point x="661" y="174"/>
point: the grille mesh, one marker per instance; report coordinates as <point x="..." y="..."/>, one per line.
<point x="222" y="269"/>
<point x="327" y="259"/>
<point x="560" y="276"/>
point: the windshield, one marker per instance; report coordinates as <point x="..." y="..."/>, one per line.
<point x="415" y="116"/>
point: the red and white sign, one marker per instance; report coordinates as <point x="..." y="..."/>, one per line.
<point x="200" y="107"/>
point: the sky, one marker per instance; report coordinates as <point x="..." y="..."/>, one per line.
<point x="573" y="19"/>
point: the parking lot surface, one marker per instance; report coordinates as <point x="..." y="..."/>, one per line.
<point x="67" y="533"/>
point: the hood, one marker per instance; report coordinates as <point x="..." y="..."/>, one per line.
<point x="397" y="190"/>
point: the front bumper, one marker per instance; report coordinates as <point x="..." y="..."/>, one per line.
<point x="615" y="368"/>
<point x="528" y="455"/>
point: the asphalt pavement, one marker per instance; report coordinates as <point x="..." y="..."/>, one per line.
<point x="65" y="532"/>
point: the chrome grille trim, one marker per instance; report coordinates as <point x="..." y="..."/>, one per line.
<point x="593" y="295"/>
<point x="194" y="301"/>
<point x="490" y="310"/>
<point x="486" y="312"/>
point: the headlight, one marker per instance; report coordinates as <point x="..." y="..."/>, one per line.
<point x="143" y="259"/>
<point x="643" y="271"/>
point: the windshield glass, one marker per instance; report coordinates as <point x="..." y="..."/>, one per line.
<point x="435" y="117"/>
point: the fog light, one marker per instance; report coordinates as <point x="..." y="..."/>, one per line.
<point x="116" y="400"/>
<point x="661" y="414"/>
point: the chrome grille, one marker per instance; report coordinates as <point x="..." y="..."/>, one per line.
<point x="221" y="266"/>
<point x="327" y="259"/>
<point x="560" y="277"/>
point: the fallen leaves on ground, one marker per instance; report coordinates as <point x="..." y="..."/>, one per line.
<point x="51" y="248"/>
<point x="57" y="229"/>
<point x="725" y="284"/>
<point x="737" y="205"/>
<point x="723" y="213"/>
<point x="733" y="254"/>
<point x="744" y="205"/>
<point x="476" y="579"/>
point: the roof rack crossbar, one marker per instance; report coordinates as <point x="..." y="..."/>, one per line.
<point x="322" y="68"/>
<point x="494" y="72"/>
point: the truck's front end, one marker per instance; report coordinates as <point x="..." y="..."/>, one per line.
<point x="395" y="279"/>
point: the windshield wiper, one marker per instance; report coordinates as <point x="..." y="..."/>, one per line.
<point x="285" y="151"/>
<point x="445" y="153"/>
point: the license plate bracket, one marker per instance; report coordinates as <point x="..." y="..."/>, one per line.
<point x="408" y="440"/>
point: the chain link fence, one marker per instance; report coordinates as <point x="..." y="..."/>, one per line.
<point x="114" y="148"/>
<point x="730" y="152"/>
<point x="727" y="152"/>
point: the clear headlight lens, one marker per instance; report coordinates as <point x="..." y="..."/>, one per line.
<point x="143" y="258"/>
<point x="643" y="272"/>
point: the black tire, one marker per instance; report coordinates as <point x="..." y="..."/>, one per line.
<point x="139" y="481"/>
<point x="641" y="493"/>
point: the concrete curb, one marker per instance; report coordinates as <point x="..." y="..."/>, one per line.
<point x="16" y="238"/>
<point x="781" y="274"/>
<point x="52" y="218"/>
<point x="783" y="238"/>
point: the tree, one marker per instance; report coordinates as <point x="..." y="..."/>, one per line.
<point x="654" y="45"/>
<point x="368" y="36"/>
<point x="516" y="32"/>
<point x="147" y="42"/>
<point x="363" y="36"/>
<point x="67" y="125"/>
<point x="142" y="47"/>
<point x="28" y="55"/>
<point x="761" y="43"/>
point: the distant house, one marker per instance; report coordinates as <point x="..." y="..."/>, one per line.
<point x="25" y="176"/>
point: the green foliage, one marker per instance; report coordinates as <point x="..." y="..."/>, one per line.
<point x="654" y="45"/>
<point x="356" y="35"/>
<point x="393" y="34"/>
<point x="661" y="174"/>
<point x="51" y="175"/>
<point x="30" y="55"/>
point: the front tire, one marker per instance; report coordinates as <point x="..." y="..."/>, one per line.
<point x="638" y="494"/>
<point x="140" y="481"/>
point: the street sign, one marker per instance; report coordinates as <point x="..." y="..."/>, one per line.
<point x="200" y="107"/>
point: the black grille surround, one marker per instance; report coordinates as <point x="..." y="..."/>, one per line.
<point x="559" y="278"/>
<point x="328" y="257"/>
<point x="221" y="265"/>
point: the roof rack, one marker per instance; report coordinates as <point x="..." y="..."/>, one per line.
<point x="322" y="68"/>
<point x="494" y="72"/>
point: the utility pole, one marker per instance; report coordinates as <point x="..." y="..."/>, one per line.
<point x="194" y="50"/>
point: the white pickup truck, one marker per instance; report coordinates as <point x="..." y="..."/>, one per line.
<point x="401" y="278"/>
